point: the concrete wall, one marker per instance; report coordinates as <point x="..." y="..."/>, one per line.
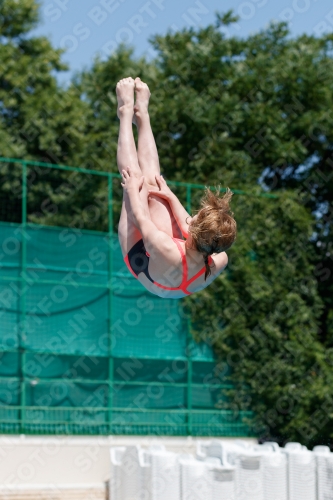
<point x="72" y="464"/>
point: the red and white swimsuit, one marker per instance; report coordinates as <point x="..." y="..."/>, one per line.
<point x="137" y="261"/>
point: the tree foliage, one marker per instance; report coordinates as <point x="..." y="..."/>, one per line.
<point x="253" y="114"/>
<point x="262" y="316"/>
<point x="18" y="17"/>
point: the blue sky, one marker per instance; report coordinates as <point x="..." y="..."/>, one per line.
<point x="90" y="27"/>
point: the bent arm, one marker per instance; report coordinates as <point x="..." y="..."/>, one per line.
<point x="182" y="217"/>
<point x="180" y="214"/>
<point x="220" y="261"/>
<point x="150" y="234"/>
<point x="136" y="207"/>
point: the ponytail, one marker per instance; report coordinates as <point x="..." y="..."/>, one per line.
<point x="208" y="271"/>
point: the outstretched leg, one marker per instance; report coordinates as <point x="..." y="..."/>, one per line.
<point x="128" y="233"/>
<point x="126" y="151"/>
<point x="147" y="151"/>
<point x="160" y="211"/>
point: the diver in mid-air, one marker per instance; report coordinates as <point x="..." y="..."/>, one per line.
<point x="153" y="223"/>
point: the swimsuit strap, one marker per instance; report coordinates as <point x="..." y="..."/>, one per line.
<point x="184" y="262"/>
<point x="199" y="273"/>
<point x="185" y="282"/>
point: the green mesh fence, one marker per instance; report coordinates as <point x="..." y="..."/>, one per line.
<point x="84" y="348"/>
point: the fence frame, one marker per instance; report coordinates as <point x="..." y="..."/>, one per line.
<point x="110" y="411"/>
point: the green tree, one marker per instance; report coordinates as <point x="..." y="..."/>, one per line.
<point x="38" y="119"/>
<point x="243" y="111"/>
<point x="262" y="316"/>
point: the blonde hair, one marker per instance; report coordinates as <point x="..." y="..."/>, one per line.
<point x="215" y="228"/>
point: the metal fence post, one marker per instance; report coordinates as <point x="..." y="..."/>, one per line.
<point x="188" y="343"/>
<point x="22" y="326"/>
<point x="189" y="379"/>
<point x="188" y="198"/>
<point x="110" y="236"/>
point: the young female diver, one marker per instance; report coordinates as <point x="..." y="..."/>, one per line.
<point x="153" y="221"/>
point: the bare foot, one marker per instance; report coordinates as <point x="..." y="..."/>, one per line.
<point x="142" y="98"/>
<point x="125" y="96"/>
